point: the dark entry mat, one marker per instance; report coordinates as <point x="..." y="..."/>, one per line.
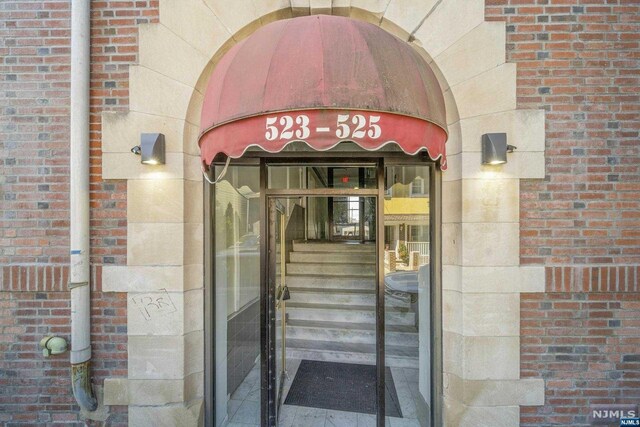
<point x="342" y="387"/>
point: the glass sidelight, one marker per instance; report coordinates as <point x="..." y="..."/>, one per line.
<point x="407" y="290"/>
<point x="236" y="269"/>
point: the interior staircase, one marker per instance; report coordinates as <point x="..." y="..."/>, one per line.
<point x="331" y="314"/>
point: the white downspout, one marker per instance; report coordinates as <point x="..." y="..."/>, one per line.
<point x="79" y="272"/>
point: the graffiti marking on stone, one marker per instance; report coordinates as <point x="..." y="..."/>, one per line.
<point x="154" y="304"/>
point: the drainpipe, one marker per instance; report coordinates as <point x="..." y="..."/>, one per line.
<point x="79" y="207"/>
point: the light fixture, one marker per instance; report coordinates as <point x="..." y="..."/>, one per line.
<point x="495" y="148"/>
<point x="151" y="149"/>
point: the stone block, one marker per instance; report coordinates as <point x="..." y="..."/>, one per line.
<point x="156" y="357"/>
<point x="195" y="23"/>
<point x="193" y="310"/>
<point x="155" y="200"/>
<point x="162" y="50"/>
<point x="193" y="202"/>
<point x="452" y="319"/>
<point x="480" y="50"/>
<point x="525" y="392"/>
<point x="532" y="279"/>
<point x="193" y="276"/>
<point x="117" y="278"/>
<point x="121" y="391"/>
<point x="191" y="415"/>
<point x="451" y="201"/>
<point x="266" y="9"/>
<point x="524" y="128"/>
<point x="193" y="243"/>
<point x="522" y="165"/>
<point x="373" y="6"/>
<point x="194" y="111"/>
<point x="451" y="244"/>
<point x="452" y="278"/>
<point x="490" y="200"/>
<point x="490" y="92"/>
<point x="320" y="7"/>
<point x="496" y="315"/>
<point x="194" y="352"/>
<point x="155" y="313"/>
<point x="452" y="386"/>
<point x="155" y="244"/>
<point x="493" y="279"/>
<point x="448" y="22"/>
<point x="237" y="17"/>
<point x="116" y="391"/>
<point x="452" y="353"/>
<point x="454" y="140"/>
<point x="190" y="141"/>
<point x="127" y="166"/>
<point x="490" y="244"/>
<point x="121" y="132"/>
<point x="491" y="416"/>
<point x="154" y="93"/>
<point x="194" y="386"/>
<point x="450" y="103"/>
<point x="300" y="7"/>
<point x="193" y="168"/>
<point x="405" y="15"/>
<point x="491" y="358"/>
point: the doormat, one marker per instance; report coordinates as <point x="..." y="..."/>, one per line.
<point x="342" y="387"/>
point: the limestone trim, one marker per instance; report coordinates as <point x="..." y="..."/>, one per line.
<point x="481" y="282"/>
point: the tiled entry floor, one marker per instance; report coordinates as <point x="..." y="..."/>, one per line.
<point x="244" y="406"/>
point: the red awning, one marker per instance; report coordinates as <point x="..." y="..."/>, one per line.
<point x="322" y="79"/>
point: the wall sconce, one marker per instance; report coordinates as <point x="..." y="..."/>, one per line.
<point x="495" y="148"/>
<point x="151" y="149"/>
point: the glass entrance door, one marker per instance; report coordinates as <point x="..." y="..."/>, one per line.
<point x="323" y="319"/>
<point x="296" y="310"/>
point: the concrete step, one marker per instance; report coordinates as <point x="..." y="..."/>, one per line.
<point x="335" y="258"/>
<point x="320" y="281"/>
<point x="333" y="296"/>
<point x="348" y="313"/>
<point x="395" y="356"/>
<point x="363" y="333"/>
<point x="333" y="247"/>
<point x="341" y="296"/>
<point x="366" y="270"/>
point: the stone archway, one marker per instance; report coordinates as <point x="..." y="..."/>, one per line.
<point x="482" y="278"/>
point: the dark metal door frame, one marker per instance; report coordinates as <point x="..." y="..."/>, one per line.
<point x="268" y="326"/>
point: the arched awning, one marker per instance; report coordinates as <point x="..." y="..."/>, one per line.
<point x="322" y="79"/>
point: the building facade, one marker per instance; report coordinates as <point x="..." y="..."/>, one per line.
<point x="538" y="262"/>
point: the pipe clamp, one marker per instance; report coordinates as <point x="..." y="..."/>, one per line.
<point x="73" y="285"/>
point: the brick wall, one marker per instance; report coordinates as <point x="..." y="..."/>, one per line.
<point x="34" y="132"/>
<point x="34" y="303"/>
<point x="582" y="337"/>
<point x="579" y="60"/>
<point x="34" y="221"/>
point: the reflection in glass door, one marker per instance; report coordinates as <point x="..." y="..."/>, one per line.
<point x="408" y="292"/>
